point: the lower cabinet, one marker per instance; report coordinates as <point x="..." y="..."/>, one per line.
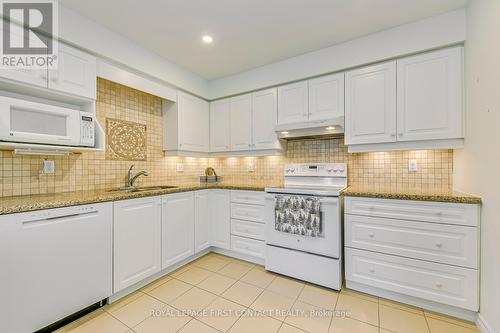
<point x="178" y="219"/>
<point x="220" y="218"/>
<point x="201" y="220"/>
<point x="137" y="240"/>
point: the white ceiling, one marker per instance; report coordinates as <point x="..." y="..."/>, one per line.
<point x="249" y="33"/>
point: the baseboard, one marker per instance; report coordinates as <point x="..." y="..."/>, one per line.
<point x="122" y="293"/>
<point x="415" y="301"/>
<point x="483" y="325"/>
<point x="238" y="255"/>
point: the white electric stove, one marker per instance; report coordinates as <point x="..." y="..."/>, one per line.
<point x="316" y="256"/>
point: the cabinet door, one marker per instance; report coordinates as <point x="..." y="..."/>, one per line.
<point x="75" y="73"/>
<point x="430" y="96"/>
<point x="220" y="218"/>
<point x="177" y="228"/>
<point x="193" y="123"/>
<point x="201" y="220"/>
<point x="292" y="103"/>
<point x="220" y="125"/>
<point x="326" y="97"/>
<point x="264" y="118"/>
<point x="241" y="122"/>
<point x="137" y="240"/>
<point x="370" y="105"/>
<point x="37" y="77"/>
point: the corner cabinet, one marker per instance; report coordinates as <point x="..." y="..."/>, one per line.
<point x="137" y="240"/>
<point x="220" y="218"/>
<point x="186" y="125"/>
<point x="178" y="219"/>
<point x="245" y="124"/>
<point x="412" y="103"/>
<point x="201" y="220"/>
<point x="220" y="126"/>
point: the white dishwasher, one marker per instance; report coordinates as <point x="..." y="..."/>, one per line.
<point x="53" y="263"/>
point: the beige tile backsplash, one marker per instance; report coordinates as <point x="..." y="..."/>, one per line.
<point x="20" y="175"/>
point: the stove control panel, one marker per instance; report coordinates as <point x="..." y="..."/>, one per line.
<point x="316" y="170"/>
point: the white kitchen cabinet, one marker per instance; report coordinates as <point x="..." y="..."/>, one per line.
<point x="137" y="240"/>
<point x="241" y="122"/>
<point x="220" y="125"/>
<point x="430" y="95"/>
<point x="293" y="103"/>
<point x="201" y="220"/>
<point x="370" y="104"/>
<point x="75" y="74"/>
<point x="178" y="220"/>
<point x="186" y="125"/>
<point x="264" y="119"/>
<point x="326" y="97"/>
<point x="220" y="218"/>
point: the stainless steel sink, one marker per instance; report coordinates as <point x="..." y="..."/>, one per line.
<point x="141" y="188"/>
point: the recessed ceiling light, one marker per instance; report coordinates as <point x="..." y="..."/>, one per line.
<point x="207" y="39"/>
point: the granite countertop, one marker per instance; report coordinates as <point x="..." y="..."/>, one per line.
<point x="26" y="203"/>
<point x="388" y="192"/>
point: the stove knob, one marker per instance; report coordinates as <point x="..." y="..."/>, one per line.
<point x="335" y="169"/>
<point x="342" y="169"/>
<point x="330" y="170"/>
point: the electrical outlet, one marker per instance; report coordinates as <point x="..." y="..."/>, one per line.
<point x="179" y="167"/>
<point x="251" y="167"/>
<point x="412" y="166"/>
<point x="49" y="167"/>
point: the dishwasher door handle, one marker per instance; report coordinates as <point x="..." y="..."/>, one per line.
<point x="56" y="219"/>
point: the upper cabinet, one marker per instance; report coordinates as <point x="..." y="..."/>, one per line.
<point x="241" y="122"/>
<point x="430" y="96"/>
<point x="264" y="119"/>
<point x="317" y="99"/>
<point x="370" y="106"/>
<point x="75" y="73"/>
<point x="326" y="97"/>
<point x="186" y="125"/>
<point x="293" y="103"/>
<point x="412" y="103"/>
<point x="245" y="123"/>
<point x="220" y="127"/>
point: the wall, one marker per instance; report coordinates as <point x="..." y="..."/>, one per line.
<point x="20" y="175"/>
<point x="422" y="35"/>
<point x="477" y="165"/>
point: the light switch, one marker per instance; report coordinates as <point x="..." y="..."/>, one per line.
<point x="49" y="167"/>
<point x="412" y="166"/>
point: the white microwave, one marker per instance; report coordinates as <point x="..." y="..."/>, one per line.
<point x="32" y="122"/>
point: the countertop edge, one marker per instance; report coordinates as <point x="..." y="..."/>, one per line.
<point x="102" y="197"/>
<point x="447" y="198"/>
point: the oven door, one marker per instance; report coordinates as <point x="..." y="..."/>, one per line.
<point x="329" y="242"/>
<point x="31" y="122"/>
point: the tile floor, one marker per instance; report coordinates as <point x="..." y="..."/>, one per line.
<point x="221" y="294"/>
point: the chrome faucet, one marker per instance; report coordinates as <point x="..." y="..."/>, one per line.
<point x="131" y="178"/>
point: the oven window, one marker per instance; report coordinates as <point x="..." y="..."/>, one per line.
<point x="36" y="122"/>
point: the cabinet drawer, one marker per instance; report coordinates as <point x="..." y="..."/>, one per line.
<point x="439" y="212"/>
<point x="247" y="212"/>
<point x="447" y="244"/>
<point x="248" y="246"/>
<point x="248" y="197"/>
<point x="248" y="229"/>
<point x="440" y="283"/>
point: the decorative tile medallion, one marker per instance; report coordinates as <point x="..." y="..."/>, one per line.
<point x="126" y="140"/>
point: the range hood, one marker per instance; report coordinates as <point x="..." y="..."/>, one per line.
<point x="315" y="128"/>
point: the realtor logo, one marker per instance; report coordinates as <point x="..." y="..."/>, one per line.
<point x="28" y="30"/>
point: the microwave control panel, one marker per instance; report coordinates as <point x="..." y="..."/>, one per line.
<point x="87" y="130"/>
